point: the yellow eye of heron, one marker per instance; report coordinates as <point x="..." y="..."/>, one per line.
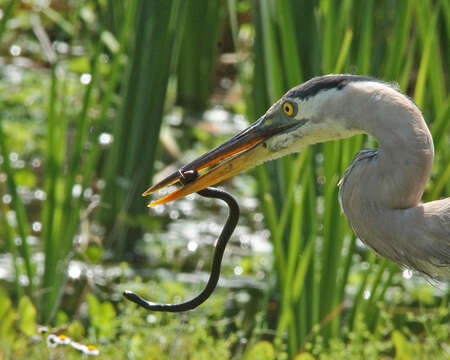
<point x="288" y="108"/>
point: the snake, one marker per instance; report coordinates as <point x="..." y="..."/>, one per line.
<point x="227" y="231"/>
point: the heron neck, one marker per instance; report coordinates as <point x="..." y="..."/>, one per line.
<point x="381" y="190"/>
<point x="403" y="163"/>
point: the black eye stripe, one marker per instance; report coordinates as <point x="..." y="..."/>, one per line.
<point x="321" y="83"/>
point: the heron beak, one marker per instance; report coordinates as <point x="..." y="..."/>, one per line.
<point x="242" y="151"/>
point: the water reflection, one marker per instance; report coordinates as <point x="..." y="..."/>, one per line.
<point x="15" y="50"/>
<point x="23" y="280"/>
<point x="174" y="214"/>
<point x="85" y="78"/>
<point x="36" y="163"/>
<point x="76" y="190"/>
<point x="105" y="139"/>
<point x="238" y="270"/>
<point x="192" y="246"/>
<point x="74" y="270"/>
<point x="366" y="294"/>
<point x="407" y="274"/>
<point x="39" y="195"/>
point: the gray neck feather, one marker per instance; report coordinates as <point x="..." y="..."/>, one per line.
<point x="405" y="154"/>
<point x="381" y="190"/>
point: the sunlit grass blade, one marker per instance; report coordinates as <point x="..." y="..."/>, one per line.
<point x="365" y="46"/>
<point x="442" y="181"/>
<point x="343" y="54"/>
<point x="426" y="17"/>
<point x="424" y="63"/>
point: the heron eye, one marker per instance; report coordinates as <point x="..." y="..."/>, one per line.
<point x="288" y="108"/>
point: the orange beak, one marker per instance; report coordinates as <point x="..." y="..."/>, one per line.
<point x="235" y="155"/>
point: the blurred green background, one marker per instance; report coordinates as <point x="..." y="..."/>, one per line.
<point x="100" y="98"/>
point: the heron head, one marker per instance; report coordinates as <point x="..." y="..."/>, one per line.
<point x="305" y="115"/>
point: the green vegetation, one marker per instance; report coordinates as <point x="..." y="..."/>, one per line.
<point x="338" y="40"/>
<point x="96" y="96"/>
<point x="127" y="331"/>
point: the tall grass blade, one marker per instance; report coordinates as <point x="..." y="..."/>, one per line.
<point x="130" y="162"/>
<point x="12" y="249"/>
<point x="6" y="15"/>
<point x="198" y="52"/>
<point x="19" y="210"/>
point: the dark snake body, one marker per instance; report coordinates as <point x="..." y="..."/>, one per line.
<point x="230" y="225"/>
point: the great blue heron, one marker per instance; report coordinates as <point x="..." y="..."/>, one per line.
<point x="379" y="193"/>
